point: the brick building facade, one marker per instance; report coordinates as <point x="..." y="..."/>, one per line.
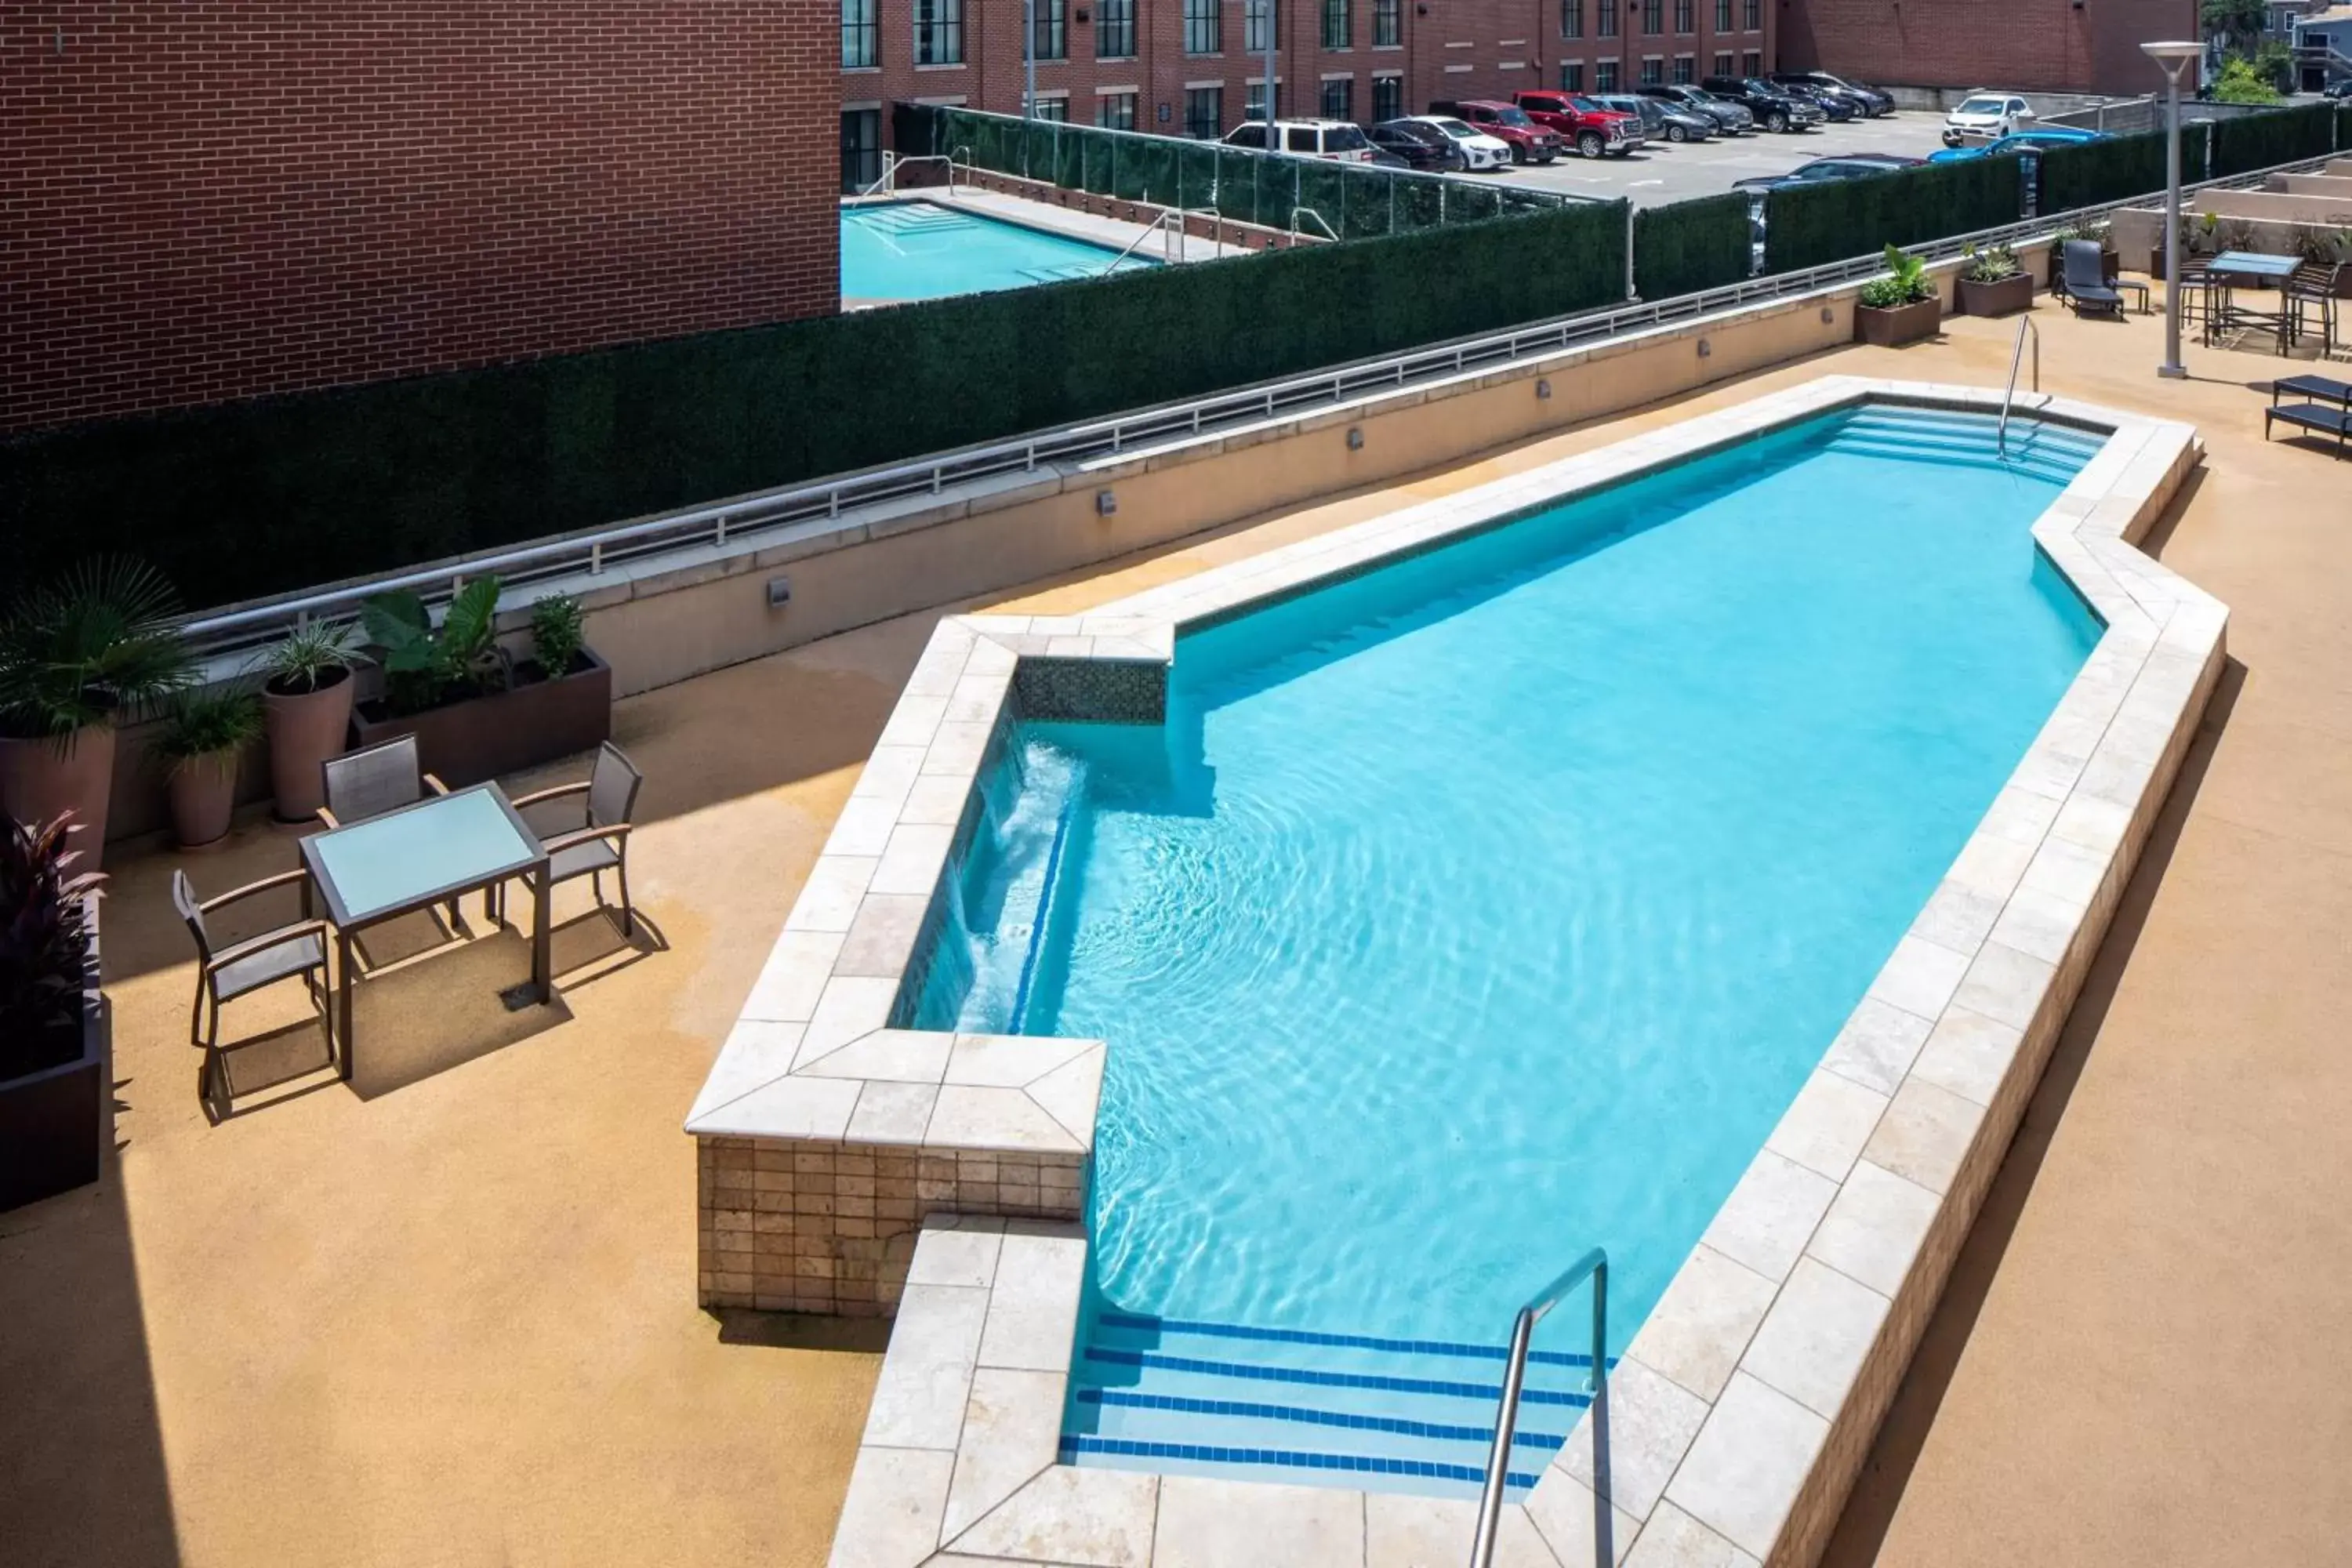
<point x="2023" y="46"/>
<point x="207" y="202"/>
<point x="1198" y="66"/>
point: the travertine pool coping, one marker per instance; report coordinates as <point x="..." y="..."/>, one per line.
<point x="1737" y="1419"/>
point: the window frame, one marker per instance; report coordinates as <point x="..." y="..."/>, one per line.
<point x="938" y="27"/>
<point x="861" y="35"/>
<point x="1214" y="100"/>
<point x="1114" y="23"/>
<point x="1342" y="36"/>
<point x="1204" y="31"/>
<point x="1346" y="87"/>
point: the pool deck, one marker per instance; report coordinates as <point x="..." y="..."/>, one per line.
<point x="452" y="1322"/>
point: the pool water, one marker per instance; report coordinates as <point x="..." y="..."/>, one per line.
<point x="1493" y="905"/>
<point x="920" y="251"/>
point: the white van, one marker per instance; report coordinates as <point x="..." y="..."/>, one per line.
<point x="1334" y="139"/>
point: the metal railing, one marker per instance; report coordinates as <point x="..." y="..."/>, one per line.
<point x="1172" y="222"/>
<point x="891" y="163"/>
<point x="1297" y="213"/>
<point x="1595" y="1264"/>
<point x="2009" y="394"/>
<point x="771" y="512"/>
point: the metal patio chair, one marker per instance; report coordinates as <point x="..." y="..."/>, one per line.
<point x="374" y="780"/>
<point x="2311" y="301"/>
<point x="600" y="843"/>
<point x="223" y="974"/>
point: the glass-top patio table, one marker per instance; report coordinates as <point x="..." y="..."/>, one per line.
<point x="418" y="856"/>
<point x="2258" y="268"/>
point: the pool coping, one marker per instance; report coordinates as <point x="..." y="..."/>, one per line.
<point x="1738" y="1416"/>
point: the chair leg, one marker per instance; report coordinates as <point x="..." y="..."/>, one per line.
<point x="628" y="910"/>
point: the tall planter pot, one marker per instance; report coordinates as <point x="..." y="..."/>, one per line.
<point x="1888" y="329"/>
<point x="56" y="1123"/>
<point x="37" y="781"/>
<point x="203" y="797"/>
<point x="306" y="729"/>
<point x="530" y="722"/>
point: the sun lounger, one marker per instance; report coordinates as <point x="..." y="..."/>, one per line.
<point x="2312" y="416"/>
<point x="2317" y="388"/>
<point x="2085" y="278"/>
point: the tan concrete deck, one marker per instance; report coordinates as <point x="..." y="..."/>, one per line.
<point x="447" y="1317"/>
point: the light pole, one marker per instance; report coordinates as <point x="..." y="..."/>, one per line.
<point x="2172" y="57"/>
<point x="1029" y="60"/>
<point x="1271" y="20"/>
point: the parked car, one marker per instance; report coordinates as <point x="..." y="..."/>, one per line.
<point x="1869" y="100"/>
<point x="1660" y="121"/>
<point x="1987" y="117"/>
<point x="1418" y="145"/>
<point x="1730" y="119"/>
<point x="2341" y="90"/>
<point x="1530" y="143"/>
<point x="1479" y="150"/>
<point x="1333" y="138"/>
<point x="1773" y="110"/>
<point x="2039" y="141"/>
<point x="1834" y="106"/>
<point x="1594" y="131"/>
<point x="1851" y="166"/>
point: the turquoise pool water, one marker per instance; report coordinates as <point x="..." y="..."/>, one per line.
<point x="1493" y="905"/>
<point x="918" y="250"/>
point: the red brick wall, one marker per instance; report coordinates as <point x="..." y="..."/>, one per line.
<point x="211" y="199"/>
<point x="2025" y="46"/>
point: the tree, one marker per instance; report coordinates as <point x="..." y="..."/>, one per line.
<point x="2241" y="82"/>
<point x="2238" y="21"/>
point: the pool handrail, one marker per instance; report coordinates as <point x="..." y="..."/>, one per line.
<point x="2008" y="394"/>
<point x="1594" y="1263"/>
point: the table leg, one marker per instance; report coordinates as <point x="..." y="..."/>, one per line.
<point x="541" y="938"/>
<point x="343" y="995"/>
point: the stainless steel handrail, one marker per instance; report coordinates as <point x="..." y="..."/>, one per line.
<point x="593" y="550"/>
<point x="1594" y="1263"/>
<point x="2008" y="394"/>
<point x="1321" y="223"/>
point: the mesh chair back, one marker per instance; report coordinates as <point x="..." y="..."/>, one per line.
<point x="373" y="781"/>
<point x="184" y="899"/>
<point x="2083" y="267"/>
<point x="612" y="787"/>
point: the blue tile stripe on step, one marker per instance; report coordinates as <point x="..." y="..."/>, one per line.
<point x="1345" y="1341"/>
<point x="1398" y="1425"/>
<point x="1150" y="1359"/>
<point x="1076" y="1443"/>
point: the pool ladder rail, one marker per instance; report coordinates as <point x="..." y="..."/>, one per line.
<point x="2008" y="394"/>
<point x="1595" y="1265"/>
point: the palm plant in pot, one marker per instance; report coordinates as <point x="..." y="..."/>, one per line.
<point x="51" y="1064"/>
<point x="306" y="706"/>
<point x="203" y="738"/>
<point x="1901" y="305"/>
<point x="75" y="653"/>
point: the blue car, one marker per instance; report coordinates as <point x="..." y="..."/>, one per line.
<point x="2039" y="141"/>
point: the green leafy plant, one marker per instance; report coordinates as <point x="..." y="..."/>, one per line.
<point x="1905" y="282"/>
<point x="557" y="630"/>
<point x="201" y="724"/>
<point x="315" y="653"/>
<point x="98" y="638"/>
<point x="2243" y="80"/>
<point x="2091" y="229"/>
<point x="1990" y="265"/>
<point x="44" y="940"/>
<point x="424" y="667"/>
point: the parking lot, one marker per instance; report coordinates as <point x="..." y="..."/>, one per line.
<point x="1659" y="172"/>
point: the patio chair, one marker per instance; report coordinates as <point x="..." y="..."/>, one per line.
<point x="600" y="843"/>
<point x="2311" y="295"/>
<point x="374" y="780"/>
<point x="2085" y="280"/>
<point x="224" y="974"/>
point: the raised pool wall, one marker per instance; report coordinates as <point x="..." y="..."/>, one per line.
<point x="1742" y="1409"/>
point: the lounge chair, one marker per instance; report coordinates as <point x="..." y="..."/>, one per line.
<point x="2316" y="388"/>
<point x="223" y="974"/>
<point x="2314" y="418"/>
<point x="2086" y="285"/>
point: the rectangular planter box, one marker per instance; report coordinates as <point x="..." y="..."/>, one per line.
<point x="1903" y="324"/>
<point x="56" y="1124"/>
<point x="2005" y="298"/>
<point x="467" y="742"/>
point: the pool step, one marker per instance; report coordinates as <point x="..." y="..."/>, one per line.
<point x="1354" y="1410"/>
<point x="2041" y="449"/>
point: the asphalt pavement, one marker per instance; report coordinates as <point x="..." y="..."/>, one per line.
<point x="1661" y="172"/>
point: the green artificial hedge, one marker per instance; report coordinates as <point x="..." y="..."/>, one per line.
<point x="1837" y="220"/>
<point x="2249" y="142"/>
<point x="1688" y="246"/>
<point x="254" y="498"/>
<point x="2091" y="172"/>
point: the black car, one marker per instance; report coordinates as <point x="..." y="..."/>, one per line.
<point x="1773" y="109"/>
<point x="1868" y="101"/>
<point x="1836" y="105"/>
<point x="1419" y="146"/>
<point x="1852" y="166"/>
<point x="1730" y="119"/>
<point x="1661" y="120"/>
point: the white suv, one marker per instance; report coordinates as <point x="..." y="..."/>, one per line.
<point x="1479" y="150"/>
<point x="1334" y="139"/>
<point x="1987" y="117"/>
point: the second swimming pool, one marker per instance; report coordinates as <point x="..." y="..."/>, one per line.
<point x="920" y="250"/>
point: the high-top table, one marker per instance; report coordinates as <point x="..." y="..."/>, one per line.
<point x="2260" y="268"/>
<point x="432" y="852"/>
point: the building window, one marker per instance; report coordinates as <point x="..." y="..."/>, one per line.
<point x="1055" y="109"/>
<point x="1204" y="29"/>
<point x="858" y="40"/>
<point x="1653" y="17"/>
<point x="1115" y="111"/>
<point x="1685" y="23"/>
<point x="1114" y="29"/>
<point x="1606" y="13"/>
<point x="1571" y="18"/>
<point x="1387" y="98"/>
<point x="1339" y="99"/>
<point x="1751" y="20"/>
<point x="1388" y="24"/>
<point x="938" y="32"/>
<point x="1204" y="113"/>
<point x="1653" y="70"/>
<point x="1604" y="76"/>
<point x="1752" y="63"/>
<point x="1723" y="64"/>
<point x="1339" y="26"/>
<point x="1685" y="69"/>
<point x="1261" y="27"/>
<point x="1253" y="106"/>
<point x="1722" y="16"/>
<point x="1572" y="76"/>
<point x="861" y="148"/>
<point x="1045" y="25"/>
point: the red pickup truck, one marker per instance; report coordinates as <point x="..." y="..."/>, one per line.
<point x="1529" y="141"/>
<point x="1584" y="124"/>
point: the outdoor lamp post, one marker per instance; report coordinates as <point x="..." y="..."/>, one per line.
<point x="1029" y="60"/>
<point x="2172" y="57"/>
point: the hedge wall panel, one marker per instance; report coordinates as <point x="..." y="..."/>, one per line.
<point x="1837" y="220"/>
<point x="1689" y="246"/>
<point x="2251" y="141"/>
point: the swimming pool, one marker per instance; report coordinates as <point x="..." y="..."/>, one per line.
<point x="920" y="250"/>
<point x="1490" y="905"/>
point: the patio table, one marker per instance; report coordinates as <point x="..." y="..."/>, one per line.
<point x="2260" y="268"/>
<point x="418" y="856"/>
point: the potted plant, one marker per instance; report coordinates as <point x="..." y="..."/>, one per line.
<point x="74" y="653"/>
<point x="54" y="1096"/>
<point x="203" y="738"/>
<point x="2328" y="247"/>
<point x="475" y="711"/>
<point x="1993" y="284"/>
<point x="1899" y="307"/>
<point x="306" y="705"/>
